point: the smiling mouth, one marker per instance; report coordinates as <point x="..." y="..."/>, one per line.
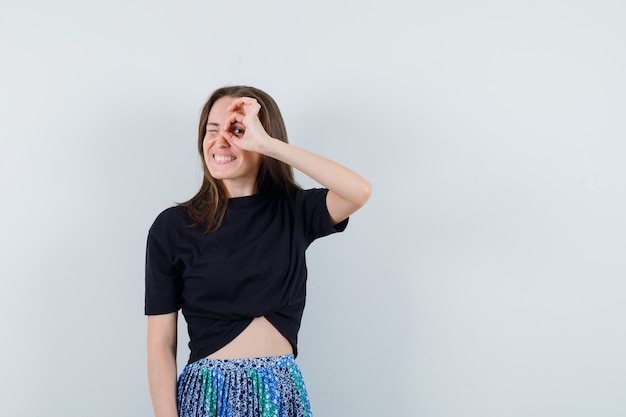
<point x="221" y="159"/>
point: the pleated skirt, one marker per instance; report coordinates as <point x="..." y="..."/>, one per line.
<point x="255" y="387"/>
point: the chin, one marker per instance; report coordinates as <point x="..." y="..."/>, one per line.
<point x="218" y="176"/>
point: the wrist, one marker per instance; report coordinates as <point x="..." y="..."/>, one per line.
<point x="269" y="146"/>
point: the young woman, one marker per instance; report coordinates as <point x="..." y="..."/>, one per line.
<point x="233" y="259"/>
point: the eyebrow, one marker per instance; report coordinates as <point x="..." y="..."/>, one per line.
<point x="212" y="124"/>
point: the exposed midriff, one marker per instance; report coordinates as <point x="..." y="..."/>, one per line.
<point x="259" y="339"/>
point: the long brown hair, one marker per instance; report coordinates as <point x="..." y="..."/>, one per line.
<point x="208" y="206"/>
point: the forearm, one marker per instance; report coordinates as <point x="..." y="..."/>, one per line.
<point x="162" y="374"/>
<point x="346" y="183"/>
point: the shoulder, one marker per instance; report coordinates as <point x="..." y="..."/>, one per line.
<point x="309" y="196"/>
<point x="170" y="218"/>
<point x="311" y="201"/>
<point x="173" y="213"/>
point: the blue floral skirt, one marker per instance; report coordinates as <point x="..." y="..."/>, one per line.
<point x="256" y="387"/>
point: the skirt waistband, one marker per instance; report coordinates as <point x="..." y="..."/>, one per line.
<point x="243" y="363"/>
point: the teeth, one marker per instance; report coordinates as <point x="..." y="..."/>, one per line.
<point x="221" y="158"/>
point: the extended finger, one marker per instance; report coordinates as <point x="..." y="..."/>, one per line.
<point x="242" y="102"/>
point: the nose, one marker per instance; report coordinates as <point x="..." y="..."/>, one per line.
<point x="221" y="141"/>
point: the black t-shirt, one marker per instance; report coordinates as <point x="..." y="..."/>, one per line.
<point x="253" y="265"/>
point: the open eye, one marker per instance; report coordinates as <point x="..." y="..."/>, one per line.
<point x="237" y="131"/>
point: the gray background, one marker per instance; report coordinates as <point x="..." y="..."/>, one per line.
<point x="484" y="278"/>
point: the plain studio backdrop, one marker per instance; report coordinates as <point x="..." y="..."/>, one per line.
<point x="484" y="278"/>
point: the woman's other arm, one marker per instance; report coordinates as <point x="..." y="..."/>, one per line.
<point x="162" y="371"/>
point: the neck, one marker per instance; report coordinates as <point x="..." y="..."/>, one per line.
<point x="234" y="189"/>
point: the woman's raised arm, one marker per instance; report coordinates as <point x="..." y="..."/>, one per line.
<point x="348" y="191"/>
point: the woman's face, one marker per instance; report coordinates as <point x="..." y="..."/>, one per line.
<point x="236" y="167"/>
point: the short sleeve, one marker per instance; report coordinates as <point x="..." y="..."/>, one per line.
<point x="163" y="292"/>
<point x="317" y="221"/>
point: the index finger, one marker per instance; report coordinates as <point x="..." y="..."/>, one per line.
<point x="241" y="102"/>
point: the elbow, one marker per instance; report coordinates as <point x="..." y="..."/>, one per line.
<point x="365" y="193"/>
